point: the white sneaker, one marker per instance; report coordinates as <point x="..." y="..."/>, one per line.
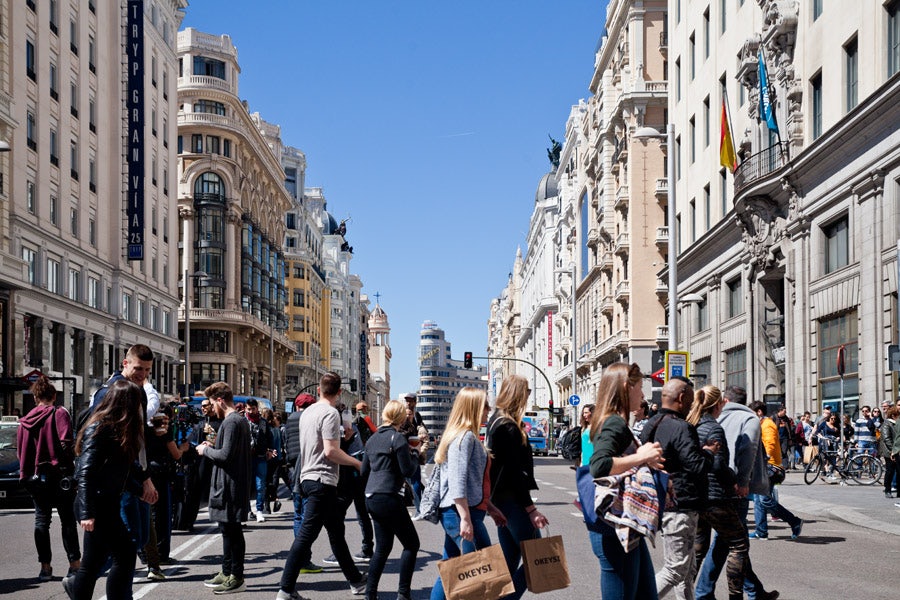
<point x="260" y="518"/>
<point x="282" y="595"/>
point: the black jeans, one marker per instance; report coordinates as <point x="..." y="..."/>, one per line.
<point x="233" y="549"/>
<point x="353" y="492"/>
<point x="110" y="539"/>
<point x="45" y="500"/>
<point x="391" y="519"/>
<point x="320" y="509"/>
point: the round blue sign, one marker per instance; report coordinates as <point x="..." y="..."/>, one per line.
<point x="574" y="400"/>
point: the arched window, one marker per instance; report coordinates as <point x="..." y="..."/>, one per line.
<point x="209" y="183"/>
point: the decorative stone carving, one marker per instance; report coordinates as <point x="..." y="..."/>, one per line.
<point x="763" y="223"/>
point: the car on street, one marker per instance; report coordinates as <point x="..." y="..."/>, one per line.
<point x="12" y="492"/>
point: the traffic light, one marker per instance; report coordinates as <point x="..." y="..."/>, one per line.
<point x="467" y="360"/>
<point x="551" y="404"/>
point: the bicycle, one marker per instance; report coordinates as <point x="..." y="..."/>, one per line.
<point x="862" y="467"/>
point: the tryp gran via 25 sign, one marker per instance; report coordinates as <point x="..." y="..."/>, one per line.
<point x="134" y="105"/>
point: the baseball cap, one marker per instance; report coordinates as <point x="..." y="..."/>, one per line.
<point x="303" y="401"/>
<point x="410" y="396"/>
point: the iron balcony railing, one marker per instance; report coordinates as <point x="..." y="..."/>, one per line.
<point x="760" y="165"/>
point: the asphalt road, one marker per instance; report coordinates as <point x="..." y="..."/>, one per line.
<point x="834" y="558"/>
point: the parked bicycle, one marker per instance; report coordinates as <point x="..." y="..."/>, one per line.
<point x="832" y="461"/>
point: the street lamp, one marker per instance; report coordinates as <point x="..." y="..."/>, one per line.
<point x="644" y="133"/>
<point x="188" y="292"/>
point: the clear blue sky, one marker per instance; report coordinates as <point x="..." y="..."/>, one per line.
<point x="424" y="122"/>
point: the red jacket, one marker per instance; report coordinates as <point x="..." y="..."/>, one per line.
<point x="37" y="441"/>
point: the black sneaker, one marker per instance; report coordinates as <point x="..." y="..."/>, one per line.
<point x="330" y="560"/>
<point x="362" y="557"/>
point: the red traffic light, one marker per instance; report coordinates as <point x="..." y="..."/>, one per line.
<point x="467" y="360"/>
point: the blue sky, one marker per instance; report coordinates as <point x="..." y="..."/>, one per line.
<point x="427" y="125"/>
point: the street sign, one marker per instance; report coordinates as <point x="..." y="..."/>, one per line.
<point x="659" y="376"/>
<point x="32" y="376"/>
<point x="678" y="364"/>
<point x="574" y="400"/>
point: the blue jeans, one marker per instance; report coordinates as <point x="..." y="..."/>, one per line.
<point x="454" y="545"/>
<point x="298" y="512"/>
<point x="517" y="529"/>
<point x="768" y="505"/>
<point x="714" y="562"/>
<point x="135" y="514"/>
<point x="623" y="576"/>
<point x="260" y="471"/>
<point x="415" y="483"/>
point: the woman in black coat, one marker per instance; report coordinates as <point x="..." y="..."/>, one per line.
<point x="721" y="512"/>
<point x="107" y="448"/>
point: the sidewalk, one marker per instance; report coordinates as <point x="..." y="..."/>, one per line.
<point x="864" y="506"/>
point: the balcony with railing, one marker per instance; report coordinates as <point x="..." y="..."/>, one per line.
<point x="623" y="291"/>
<point x="662" y="334"/>
<point x="606" y="306"/>
<point x="606" y="261"/>
<point x="662" y="288"/>
<point x="622" y="244"/>
<point x="662" y="189"/>
<point x="662" y="237"/>
<point x="593" y="236"/>
<point x="760" y="165"/>
<point x="622" y="197"/>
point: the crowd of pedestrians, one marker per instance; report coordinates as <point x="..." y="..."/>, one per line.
<point x="120" y="455"/>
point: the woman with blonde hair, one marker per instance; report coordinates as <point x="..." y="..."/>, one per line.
<point x="465" y="482"/>
<point x="386" y="464"/>
<point x="623" y="575"/>
<point x="721" y="512"/>
<point x="512" y="476"/>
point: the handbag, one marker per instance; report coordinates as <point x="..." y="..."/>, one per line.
<point x="776" y="473"/>
<point x="630" y="503"/>
<point x="584" y="483"/>
<point x="430" y="503"/>
<point x="478" y="575"/>
<point x="545" y="564"/>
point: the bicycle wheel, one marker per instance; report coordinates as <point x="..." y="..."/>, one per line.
<point x="864" y="469"/>
<point x="813" y="469"/>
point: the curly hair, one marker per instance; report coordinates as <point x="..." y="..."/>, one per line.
<point x="42" y="389"/>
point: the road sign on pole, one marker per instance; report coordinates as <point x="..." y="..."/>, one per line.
<point x="574" y="400"/>
<point x="678" y="364"/>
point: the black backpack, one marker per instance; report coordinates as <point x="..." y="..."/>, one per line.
<point x="570" y="444"/>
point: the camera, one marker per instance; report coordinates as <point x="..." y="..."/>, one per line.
<point x="183" y="423"/>
<point x="67" y="483"/>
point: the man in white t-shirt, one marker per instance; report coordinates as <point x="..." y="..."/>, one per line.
<point x="320" y="451"/>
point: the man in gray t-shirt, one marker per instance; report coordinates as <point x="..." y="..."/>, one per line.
<point x="321" y="455"/>
<point x="320" y="422"/>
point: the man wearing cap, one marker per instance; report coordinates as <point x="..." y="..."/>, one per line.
<point x="292" y="455"/>
<point x="415" y="427"/>
<point x="363" y="422"/>
<point x="261" y="453"/>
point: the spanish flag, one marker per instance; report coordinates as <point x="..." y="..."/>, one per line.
<point x="727" y="156"/>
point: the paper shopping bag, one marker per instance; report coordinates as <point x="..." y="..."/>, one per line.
<point x="479" y="575"/>
<point x="545" y="564"/>
<point x="809" y="452"/>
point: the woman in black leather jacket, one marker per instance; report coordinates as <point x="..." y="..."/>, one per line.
<point x="107" y="448"/>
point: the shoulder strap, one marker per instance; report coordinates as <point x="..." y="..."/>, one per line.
<point x="650" y="438"/>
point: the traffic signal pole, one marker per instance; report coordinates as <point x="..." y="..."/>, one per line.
<point x="539" y="370"/>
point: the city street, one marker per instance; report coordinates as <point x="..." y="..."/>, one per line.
<point x="849" y="549"/>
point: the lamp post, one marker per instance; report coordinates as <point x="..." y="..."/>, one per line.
<point x="672" y="259"/>
<point x="188" y="292"/>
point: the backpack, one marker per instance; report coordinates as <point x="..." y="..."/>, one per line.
<point x="570" y="444"/>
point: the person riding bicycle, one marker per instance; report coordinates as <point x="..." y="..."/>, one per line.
<point x="828" y="434"/>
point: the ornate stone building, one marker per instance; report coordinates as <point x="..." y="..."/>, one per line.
<point x="379" y="359"/>
<point x="796" y="255"/>
<point x="70" y="301"/>
<point x="232" y="201"/>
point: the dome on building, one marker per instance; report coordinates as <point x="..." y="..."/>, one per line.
<point x="378" y="318"/>
<point x="331" y="226"/>
<point x="546" y="188"/>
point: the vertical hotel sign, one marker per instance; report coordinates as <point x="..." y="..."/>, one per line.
<point x="134" y="105"/>
<point x="363" y="365"/>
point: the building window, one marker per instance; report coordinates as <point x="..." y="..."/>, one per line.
<point x="30" y="60"/>
<point x="735" y="298"/>
<point x="678" y="79"/>
<point x="52" y="276"/>
<point x="73" y="155"/>
<point x="212" y="144"/>
<point x="54" y="148"/>
<point x="209" y="67"/>
<point x="141" y="310"/>
<point x="851" y="52"/>
<point x="31" y="130"/>
<point x="723" y="191"/>
<point x="54" y="76"/>
<point x="816" y="85"/>
<point x="53" y="211"/>
<point x="290" y="220"/>
<point x="226" y="148"/>
<point x="893" y="37"/>
<point x="153" y="66"/>
<point x="678" y="158"/>
<point x="73" y="95"/>
<point x="29" y="197"/>
<point x="706" y="122"/>
<point x="209" y="106"/>
<point x="126" y="307"/>
<point x="834" y="333"/>
<point x="817" y="6"/>
<point x="693" y="139"/>
<point x="706" y="33"/>
<point x="92" y="175"/>
<point x="92" y="54"/>
<point x="702" y="315"/>
<point x="837" y="244"/>
<point x="29" y="256"/>
<point x="707" y="216"/>
<point x="93" y="292"/>
<point x="692" y="48"/>
<point x="736" y="367"/>
<point x="73" y="37"/>
<point x="73" y="222"/>
<point x="165" y="82"/>
<point x="74" y="285"/>
<point x="693" y="207"/>
<point x="92" y="115"/>
<point x="197" y="143"/>
<point x="723" y="16"/>
<point x="92" y="233"/>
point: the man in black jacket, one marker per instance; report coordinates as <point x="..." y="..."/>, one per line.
<point x="687" y="464"/>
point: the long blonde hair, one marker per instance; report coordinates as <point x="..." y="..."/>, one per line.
<point x="465" y="415"/>
<point x="613" y="392"/>
<point x="513" y="399"/>
<point x="705" y="400"/>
